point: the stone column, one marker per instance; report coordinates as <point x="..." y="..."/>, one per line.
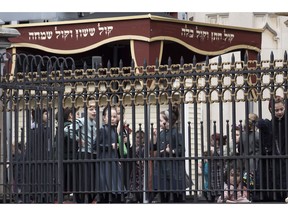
<point x="5" y="33"/>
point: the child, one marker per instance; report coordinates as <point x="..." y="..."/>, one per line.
<point x="271" y="172"/>
<point x="215" y="166"/>
<point x="85" y="135"/>
<point x="169" y="174"/>
<point x="235" y="189"/>
<point x="18" y="174"/>
<point x="205" y="173"/>
<point x="238" y="130"/>
<point x="125" y="149"/>
<point x="250" y="140"/>
<point x="110" y="176"/>
<point x="70" y="148"/>
<point x="137" y="174"/>
<point x="39" y="149"/>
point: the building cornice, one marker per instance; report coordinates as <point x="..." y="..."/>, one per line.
<point x="146" y="16"/>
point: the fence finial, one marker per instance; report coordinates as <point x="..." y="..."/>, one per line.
<point x="246" y="57"/>
<point x="120" y="64"/>
<point x="207" y="61"/>
<point x="259" y="58"/>
<point x="181" y="61"/>
<point x="108" y="65"/>
<point x="157" y="63"/>
<point x="145" y="63"/>
<point x="219" y="61"/>
<point x="233" y="59"/>
<point x="194" y="60"/>
<point x="85" y="66"/>
<point x="271" y="57"/>
<point x="169" y="61"/>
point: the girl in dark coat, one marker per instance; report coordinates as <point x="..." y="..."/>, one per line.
<point x="271" y="173"/>
<point x="169" y="175"/>
<point x="39" y="175"/>
<point x="109" y="181"/>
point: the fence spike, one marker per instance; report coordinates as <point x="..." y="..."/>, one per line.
<point x="271" y="57"/>
<point x="132" y="64"/>
<point x="207" y="61"/>
<point x="169" y="61"/>
<point x="181" y="61"/>
<point x="85" y="66"/>
<point x="194" y="61"/>
<point x="258" y="58"/>
<point x="246" y="57"/>
<point x="157" y="63"/>
<point x="120" y="64"/>
<point x="145" y="63"/>
<point x="285" y="56"/>
<point x="219" y="61"/>
<point x="233" y="59"/>
<point x="108" y="65"/>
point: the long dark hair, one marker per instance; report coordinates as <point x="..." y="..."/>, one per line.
<point x="66" y="113"/>
<point x="39" y="115"/>
<point x="105" y="110"/>
<point x="217" y="137"/>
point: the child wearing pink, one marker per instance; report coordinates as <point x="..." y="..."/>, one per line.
<point x="234" y="194"/>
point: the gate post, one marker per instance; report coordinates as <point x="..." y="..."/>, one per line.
<point x="5" y="33"/>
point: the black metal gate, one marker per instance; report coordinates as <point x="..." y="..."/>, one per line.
<point x="34" y="100"/>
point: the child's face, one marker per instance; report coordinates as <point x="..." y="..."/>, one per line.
<point x="232" y="175"/>
<point x="163" y="123"/>
<point x="114" y="120"/>
<point x="118" y="113"/>
<point x="139" y="139"/>
<point x="279" y="110"/>
<point x="214" y="143"/>
<point x="237" y="136"/>
<point x="91" y="109"/>
<point x="45" y="117"/>
<point x="118" y="110"/>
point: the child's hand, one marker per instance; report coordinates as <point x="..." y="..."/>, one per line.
<point x="168" y="148"/>
<point x="155" y="132"/>
<point x="114" y="145"/>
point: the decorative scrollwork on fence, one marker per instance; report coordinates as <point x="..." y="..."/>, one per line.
<point x="188" y="83"/>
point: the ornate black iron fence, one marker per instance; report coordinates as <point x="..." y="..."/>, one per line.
<point x="44" y="160"/>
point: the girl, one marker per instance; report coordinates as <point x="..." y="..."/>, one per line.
<point x="235" y="189"/>
<point x="216" y="169"/>
<point x="169" y="174"/>
<point x="39" y="150"/>
<point x="84" y="134"/>
<point x="272" y="171"/>
<point x="137" y="174"/>
<point x="110" y="176"/>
